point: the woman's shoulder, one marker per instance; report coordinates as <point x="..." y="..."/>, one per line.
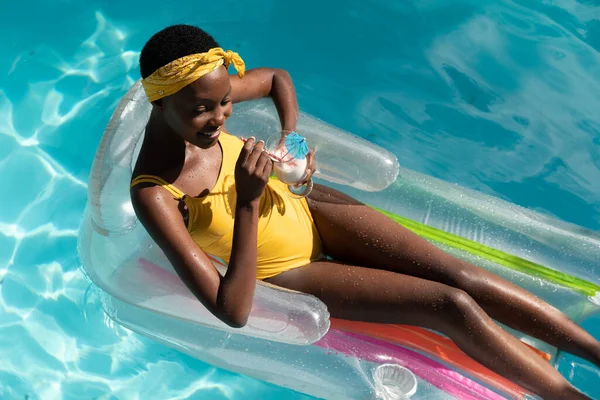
<point x="154" y="160"/>
<point x="148" y="175"/>
<point x="147" y="171"/>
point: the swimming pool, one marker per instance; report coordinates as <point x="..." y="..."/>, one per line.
<point x="494" y="96"/>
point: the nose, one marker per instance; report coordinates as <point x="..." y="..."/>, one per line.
<point x="218" y="116"/>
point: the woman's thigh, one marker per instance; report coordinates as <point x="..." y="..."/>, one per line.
<point x="372" y="295"/>
<point x="355" y="233"/>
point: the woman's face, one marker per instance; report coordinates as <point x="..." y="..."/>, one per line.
<point x="198" y="111"/>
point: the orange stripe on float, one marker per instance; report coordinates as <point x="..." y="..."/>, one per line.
<point x="436" y="345"/>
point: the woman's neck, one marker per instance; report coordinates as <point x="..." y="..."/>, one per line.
<point x="163" y="150"/>
<point x="159" y="133"/>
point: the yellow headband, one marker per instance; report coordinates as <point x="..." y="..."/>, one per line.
<point x="179" y="73"/>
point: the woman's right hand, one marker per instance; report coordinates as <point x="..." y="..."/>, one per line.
<point x="252" y="172"/>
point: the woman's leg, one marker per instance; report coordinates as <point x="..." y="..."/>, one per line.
<point x="373" y="295"/>
<point x="356" y="234"/>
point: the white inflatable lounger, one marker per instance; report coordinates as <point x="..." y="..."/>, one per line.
<point x="288" y="339"/>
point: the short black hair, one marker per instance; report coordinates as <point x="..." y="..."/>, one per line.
<point x="171" y="43"/>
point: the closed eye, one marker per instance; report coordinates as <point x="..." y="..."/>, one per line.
<point x="227" y="98"/>
<point x="199" y="111"/>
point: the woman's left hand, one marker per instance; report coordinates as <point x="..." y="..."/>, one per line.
<point x="311" y="165"/>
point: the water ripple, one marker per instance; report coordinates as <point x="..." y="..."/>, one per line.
<point x="55" y="340"/>
<point x="497" y="96"/>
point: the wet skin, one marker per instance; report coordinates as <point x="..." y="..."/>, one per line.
<point x="381" y="272"/>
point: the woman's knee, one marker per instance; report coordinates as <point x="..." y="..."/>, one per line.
<point x="465" y="277"/>
<point x="449" y="312"/>
<point x="458" y="306"/>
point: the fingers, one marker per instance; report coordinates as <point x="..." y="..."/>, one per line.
<point x="281" y="143"/>
<point x="255" y="154"/>
<point x="254" y="158"/>
<point x="264" y="165"/>
<point x="310" y="166"/>
<point x="246" y="150"/>
<point x="311" y="159"/>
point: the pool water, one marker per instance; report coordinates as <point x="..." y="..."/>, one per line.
<point x="499" y="96"/>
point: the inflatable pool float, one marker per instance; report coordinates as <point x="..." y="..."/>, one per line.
<point x="290" y="339"/>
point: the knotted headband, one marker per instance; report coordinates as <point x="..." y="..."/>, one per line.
<point x="179" y="73"/>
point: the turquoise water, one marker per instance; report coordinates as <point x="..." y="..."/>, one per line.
<point x="501" y="96"/>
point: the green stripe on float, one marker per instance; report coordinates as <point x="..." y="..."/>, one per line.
<point x="497" y="256"/>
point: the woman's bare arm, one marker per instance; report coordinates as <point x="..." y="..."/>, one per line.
<point x="269" y="82"/>
<point x="228" y="297"/>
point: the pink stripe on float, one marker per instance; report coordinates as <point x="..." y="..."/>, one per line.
<point x="369" y="349"/>
<point x="379" y="351"/>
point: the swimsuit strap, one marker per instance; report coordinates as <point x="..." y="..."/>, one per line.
<point x="178" y="194"/>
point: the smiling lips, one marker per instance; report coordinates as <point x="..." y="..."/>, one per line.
<point x="211" y="134"/>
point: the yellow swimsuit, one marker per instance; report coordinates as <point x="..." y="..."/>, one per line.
<point x="287" y="235"/>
